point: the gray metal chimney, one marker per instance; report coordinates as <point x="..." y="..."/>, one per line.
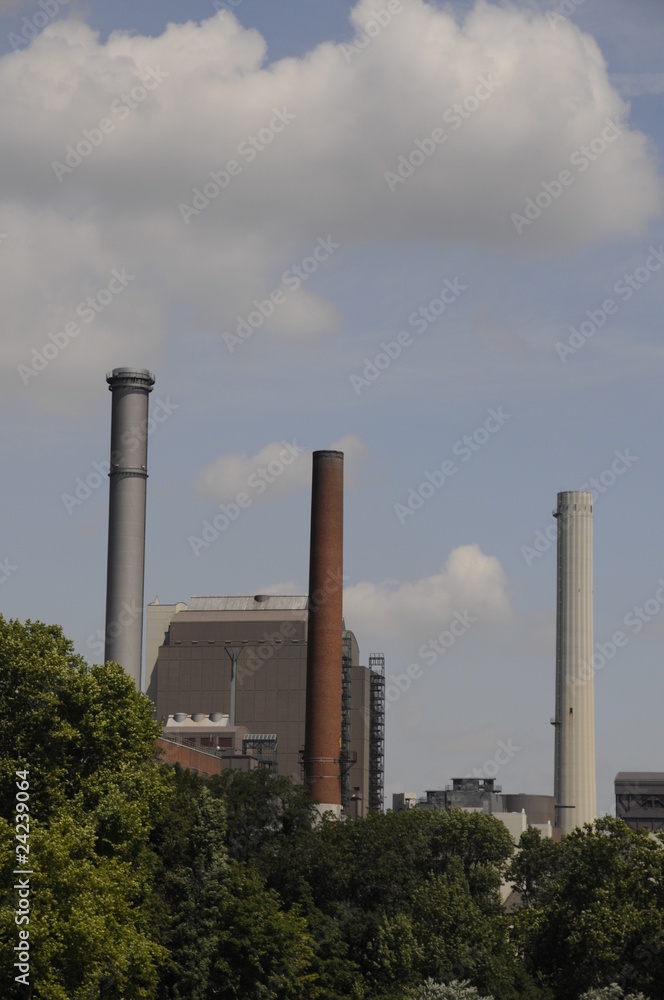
<point x="130" y="388"/>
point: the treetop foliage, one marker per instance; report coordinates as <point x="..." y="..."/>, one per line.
<point x="149" y="881"/>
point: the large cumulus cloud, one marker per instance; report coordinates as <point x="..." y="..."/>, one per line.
<point x="470" y="581"/>
<point x="351" y="115"/>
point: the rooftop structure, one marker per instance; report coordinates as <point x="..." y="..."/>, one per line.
<point x="517" y="812"/>
<point x="640" y="799"/>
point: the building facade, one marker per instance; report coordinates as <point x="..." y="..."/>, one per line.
<point x="517" y="812"/>
<point x="189" y="670"/>
<point x="640" y="799"/>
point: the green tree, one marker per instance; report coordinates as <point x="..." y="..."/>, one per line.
<point x="388" y="883"/>
<point x="451" y="991"/>
<point x="86" y="739"/>
<point x="228" y="936"/>
<point x="89" y="919"/>
<point x="262" y="951"/>
<point x="613" y="992"/>
<point x="191" y="885"/>
<point x="79" y="730"/>
<point x="261" y="808"/>
<point x="594" y="909"/>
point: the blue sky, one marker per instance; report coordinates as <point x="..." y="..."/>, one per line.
<point x="306" y="113"/>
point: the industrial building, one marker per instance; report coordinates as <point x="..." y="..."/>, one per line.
<point x="283" y="673"/>
<point x="640" y="799"/>
<point x="287" y="671"/>
<point x="193" y="650"/>
<point x="517" y="812"/>
<point x="208" y="744"/>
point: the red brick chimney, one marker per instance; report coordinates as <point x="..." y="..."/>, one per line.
<point x="322" y="749"/>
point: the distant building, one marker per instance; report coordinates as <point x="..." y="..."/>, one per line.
<point x="188" y="672"/>
<point x="208" y="744"/>
<point x="467" y="793"/>
<point x="640" y="799"/>
<point x="403" y="800"/>
<point x="540" y="809"/>
<point x="517" y="812"/>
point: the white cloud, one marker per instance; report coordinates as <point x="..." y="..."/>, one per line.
<point x="321" y="176"/>
<point x="416" y="609"/>
<point x="276" y="470"/>
<point x="638" y="84"/>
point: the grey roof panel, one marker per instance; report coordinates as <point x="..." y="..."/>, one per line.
<point x="654" y="776"/>
<point x="259" y="602"/>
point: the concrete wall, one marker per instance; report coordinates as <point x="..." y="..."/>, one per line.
<point x="539" y="808"/>
<point x="574" y="778"/>
<point x="202" y="763"/>
<point x="158" y="623"/>
<point x="194" y="674"/>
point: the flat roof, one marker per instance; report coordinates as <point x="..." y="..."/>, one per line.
<point x="647" y="776"/>
<point x="255" y="602"/>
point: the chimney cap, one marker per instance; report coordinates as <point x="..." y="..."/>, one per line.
<point x="120" y="375"/>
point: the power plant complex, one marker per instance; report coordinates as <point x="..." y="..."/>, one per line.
<point x="247" y="680"/>
<point x="276" y="680"/>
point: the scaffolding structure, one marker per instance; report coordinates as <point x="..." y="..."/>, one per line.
<point x="262" y="746"/>
<point x="377" y="732"/>
<point x="345" y="755"/>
